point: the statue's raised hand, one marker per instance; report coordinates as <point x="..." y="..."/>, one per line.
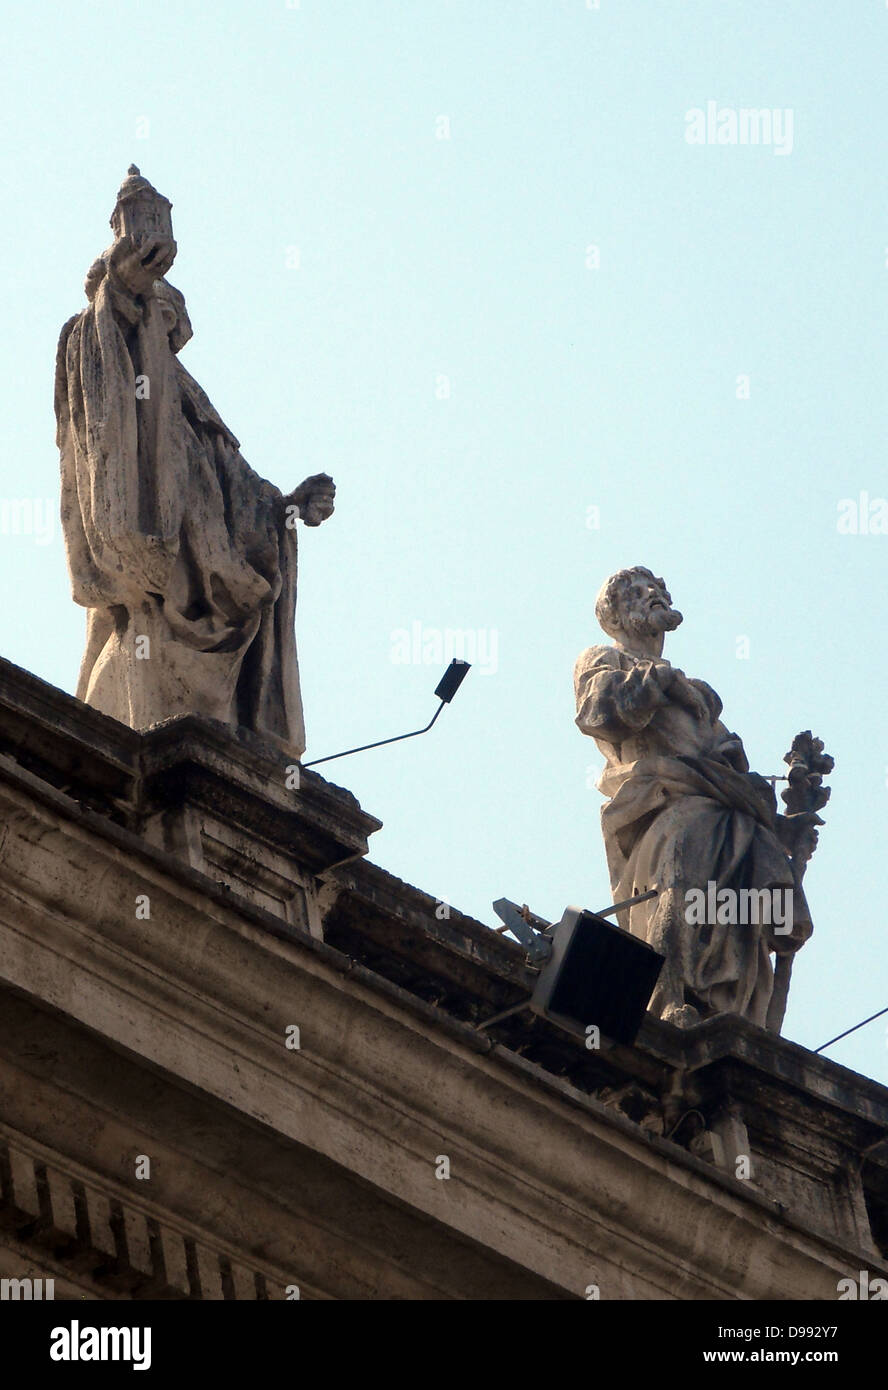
<point x="312" y="499"/>
<point x="137" y="267"/>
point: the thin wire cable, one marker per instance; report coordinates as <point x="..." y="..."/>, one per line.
<point x="851" y="1030"/>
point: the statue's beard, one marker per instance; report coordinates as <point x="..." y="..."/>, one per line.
<point x="646" y="622"/>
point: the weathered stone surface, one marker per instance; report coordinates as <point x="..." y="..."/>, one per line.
<point x="184" y="558"/>
<point x="316" y="1166"/>
<point x="686" y="816"/>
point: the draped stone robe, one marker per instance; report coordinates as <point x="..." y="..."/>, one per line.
<point x="170" y="535"/>
<point x="684" y="811"/>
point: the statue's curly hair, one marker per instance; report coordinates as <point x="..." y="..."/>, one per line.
<point x="612" y="591"/>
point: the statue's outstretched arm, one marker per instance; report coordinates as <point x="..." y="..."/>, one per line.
<point x="311" y="501"/>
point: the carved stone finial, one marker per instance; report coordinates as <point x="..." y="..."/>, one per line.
<point x="804" y="797"/>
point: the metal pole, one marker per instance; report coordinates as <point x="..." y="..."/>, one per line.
<point x="506" y="1013"/>
<point x="851" y="1030"/>
<point x="378" y="744"/>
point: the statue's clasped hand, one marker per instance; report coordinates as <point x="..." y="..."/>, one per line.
<point x="312" y="500"/>
<point x="138" y="266"/>
<point x="676" y="685"/>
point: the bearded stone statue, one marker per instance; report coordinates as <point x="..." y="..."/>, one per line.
<point x="686" y="816"/>
<point x="184" y="558"/>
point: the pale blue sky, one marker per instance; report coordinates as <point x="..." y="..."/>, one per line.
<point x="315" y="127"/>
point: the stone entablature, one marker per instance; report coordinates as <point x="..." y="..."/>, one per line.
<point x="316" y="1167"/>
<point x="102" y="1237"/>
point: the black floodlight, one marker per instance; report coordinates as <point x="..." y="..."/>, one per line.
<point x="451" y="680"/>
<point x="597" y="974"/>
<point x="445" y="690"/>
<point x="592" y="973"/>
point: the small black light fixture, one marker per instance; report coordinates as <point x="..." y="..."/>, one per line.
<point x="445" y="690"/>
<point x="450" y="682"/>
<point x="592" y="972"/>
